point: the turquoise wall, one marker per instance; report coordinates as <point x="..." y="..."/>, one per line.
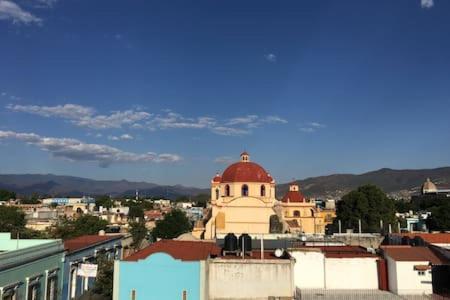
<point x="38" y="267"/>
<point x="158" y="277"/>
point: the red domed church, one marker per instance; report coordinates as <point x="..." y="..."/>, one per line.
<point x="243" y="201"/>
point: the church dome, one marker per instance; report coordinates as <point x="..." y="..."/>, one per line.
<point x="246" y="171"/>
<point x="429" y="187"/>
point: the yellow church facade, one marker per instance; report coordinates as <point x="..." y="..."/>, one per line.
<point x="243" y="201"/>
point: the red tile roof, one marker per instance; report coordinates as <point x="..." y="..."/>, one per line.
<point x="246" y="172"/>
<point x="412" y="254"/>
<point x="342" y="251"/>
<point x="85" y="241"/>
<point x="432" y="238"/>
<point x="293" y="196"/>
<point x="183" y="250"/>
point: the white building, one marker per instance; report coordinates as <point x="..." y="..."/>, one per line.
<point x="409" y="269"/>
<point x="324" y="268"/>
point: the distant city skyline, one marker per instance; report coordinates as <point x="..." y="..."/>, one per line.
<point x="172" y="92"/>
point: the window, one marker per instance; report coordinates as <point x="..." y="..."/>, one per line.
<point x="227" y="190"/>
<point x="52" y="289"/>
<point x="263" y="190"/>
<point x="133" y="294"/>
<point x="73" y="283"/>
<point x="34" y="289"/>
<point x="296" y="213"/>
<point x="10" y="294"/>
<point x="217" y="194"/>
<point x="421" y="273"/>
<point x="244" y="191"/>
<point x="312" y="212"/>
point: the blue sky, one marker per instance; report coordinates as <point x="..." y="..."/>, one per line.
<point x="172" y="91"/>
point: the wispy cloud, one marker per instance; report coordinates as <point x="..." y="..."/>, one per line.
<point x="312" y="127"/>
<point x="427" y="3"/>
<point x="75" y="150"/>
<point x="120" y="137"/>
<point x="224" y="160"/>
<point x="270" y="57"/>
<point x="14" y="13"/>
<point x="88" y="117"/>
<point x="83" y="116"/>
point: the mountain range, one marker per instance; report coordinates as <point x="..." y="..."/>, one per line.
<point x="397" y="183"/>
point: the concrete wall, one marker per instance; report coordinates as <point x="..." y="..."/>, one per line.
<point x="309" y="269"/>
<point x="314" y="271"/>
<point x="351" y="273"/>
<point x="407" y="281"/>
<point x="157" y="277"/>
<point x="249" y="279"/>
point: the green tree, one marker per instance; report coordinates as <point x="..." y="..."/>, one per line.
<point x="174" y="223"/>
<point x="440" y="217"/>
<point x="85" y="224"/>
<point x="138" y="233"/>
<point x="136" y="211"/>
<point x="104" y="282"/>
<point x="370" y="205"/>
<point x="7" y="195"/>
<point x="104" y="201"/>
<point x="11" y="220"/>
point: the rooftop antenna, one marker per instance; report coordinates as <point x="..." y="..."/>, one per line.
<point x="137" y="195"/>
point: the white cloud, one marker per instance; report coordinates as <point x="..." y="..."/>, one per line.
<point x="224" y="160"/>
<point x="3" y="94"/>
<point x="427" y="3"/>
<point x="13" y="12"/>
<point x="75" y="150"/>
<point x="47" y="3"/>
<point x="66" y="111"/>
<point x="270" y="57"/>
<point x="229" y="131"/>
<point x="120" y="137"/>
<point x="311" y="127"/>
<point x="84" y="116"/>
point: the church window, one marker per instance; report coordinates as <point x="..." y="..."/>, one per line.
<point x="296" y="213"/>
<point x="217" y="194"/>
<point x="227" y="190"/>
<point x="244" y="191"/>
<point x="312" y="212"/>
<point x="263" y="190"/>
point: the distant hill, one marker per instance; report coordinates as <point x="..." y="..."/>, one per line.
<point x="56" y="185"/>
<point x="397" y="183"/>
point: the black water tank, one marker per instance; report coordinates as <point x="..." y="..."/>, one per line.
<point x="245" y="241"/>
<point x="418" y="241"/>
<point x="231" y="242"/>
<point x="406" y="240"/>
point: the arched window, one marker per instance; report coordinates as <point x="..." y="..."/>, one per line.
<point x="244" y="191"/>
<point x="227" y="190"/>
<point x="217" y="194"/>
<point x="312" y="212"/>
<point x="296" y="213"/>
<point x="263" y="190"/>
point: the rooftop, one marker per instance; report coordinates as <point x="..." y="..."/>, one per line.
<point x="85" y="241"/>
<point x="408" y="253"/>
<point x="432" y="238"/>
<point x="340" y="251"/>
<point x="9" y="244"/>
<point x="183" y="250"/>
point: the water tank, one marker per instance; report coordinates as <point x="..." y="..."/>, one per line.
<point x="418" y="241"/>
<point x="245" y="241"/>
<point x="231" y="242"/>
<point x="406" y="240"/>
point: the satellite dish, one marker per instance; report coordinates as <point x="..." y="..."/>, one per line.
<point x="279" y="252"/>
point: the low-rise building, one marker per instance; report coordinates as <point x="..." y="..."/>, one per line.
<point x="323" y="267"/>
<point x="410" y="269"/>
<point x="30" y="268"/>
<point x="175" y="269"/>
<point x="85" y="250"/>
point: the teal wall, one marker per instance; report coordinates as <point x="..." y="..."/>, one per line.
<point x="20" y="259"/>
<point x="38" y="267"/>
<point x="158" y="277"/>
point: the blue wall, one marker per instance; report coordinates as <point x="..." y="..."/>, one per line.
<point x="78" y="256"/>
<point x="158" y="277"/>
